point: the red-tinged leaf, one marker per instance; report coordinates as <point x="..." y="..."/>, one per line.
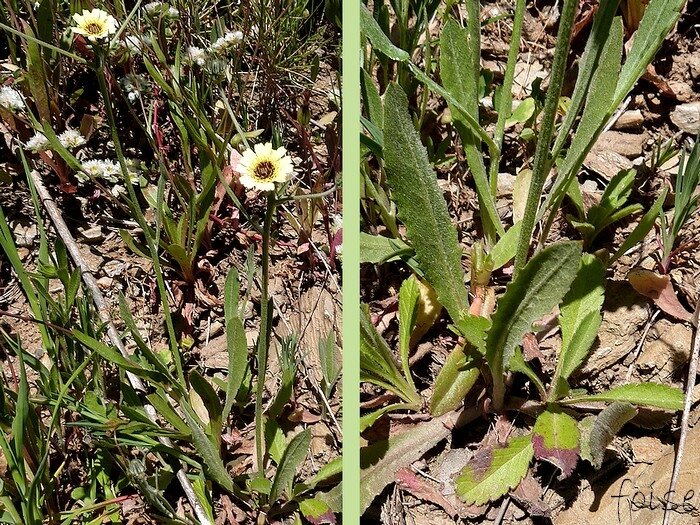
<point x="556" y="439"/>
<point x="492" y="472"/>
<point x="407" y="480"/>
<point x="659" y="289"/>
<point x="317" y="512"/>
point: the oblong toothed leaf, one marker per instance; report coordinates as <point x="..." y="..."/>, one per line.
<point x="605" y="428"/>
<point x="556" y="439"/>
<point x="643" y="394"/>
<point x="595" y="47"/>
<point x="537" y="289"/>
<point x="579" y="319"/>
<point x="659" y="18"/>
<point x="492" y="472"/>
<point x="293" y="456"/>
<point x="379" y="40"/>
<point x="421" y="205"/>
<point x="460" y="73"/>
<point x="456" y="378"/>
<point x="594" y="116"/>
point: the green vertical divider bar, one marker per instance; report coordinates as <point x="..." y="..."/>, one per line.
<point x="351" y="260"/>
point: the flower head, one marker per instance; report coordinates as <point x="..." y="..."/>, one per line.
<point x="95" y="24"/>
<point x="37" y="143"/>
<point x="262" y="166"/>
<point x="106" y="169"/>
<point x="197" y="55"/>
<point x="71" y="138"/>
<point x="11" y="99"/>
<point x="226" y="43"/>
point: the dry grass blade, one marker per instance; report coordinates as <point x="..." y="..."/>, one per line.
<point x="101" y="305"/>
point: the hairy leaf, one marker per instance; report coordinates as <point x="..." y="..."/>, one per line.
<point x="460" y="72"/>
<point x="293" y="456"/>
<point x="659" y="18"/>
<point x="421" y="205"/>
<point x="644" y="394"/>
<point x="381" y="460"/>
<point x="579" y="319"/>
<point x="555" y="438"/>
<point x="640" y="231"/>
<point x="492" y="472"/>
<point x="456" y="378"/>
<point x="605" y="428"/>
<point x="538" y="288"/>
<point x="377" y="249"/>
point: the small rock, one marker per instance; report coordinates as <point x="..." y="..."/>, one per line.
<point x="686" y="117"/>
<point x="683" y="90"/>
<point x="506" y="181"/>
<point x="647" y="449"/>
<point x="607" y="163"/>
<point x="113" y="268"/>
<point x="668" y="352"/>
<point x="105" y="282"/>
<point x="215" y="328"/>
<point x="590" y="186"/>
<point x="91" y="235"/>
<point x="632" y="119"/>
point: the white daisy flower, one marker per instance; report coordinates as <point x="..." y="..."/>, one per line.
<point x="197" y="55"/>
<point x="11" y="99"/>
<point x="94" y="25"/>
<point x="262" y="166"/>
<point x="37" y="143"/>
<point x="71" y="139"/>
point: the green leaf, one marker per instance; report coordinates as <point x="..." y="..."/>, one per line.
<point x="456" y="378"/>
<point x="556" y="439"/>
<point x="659" y="18"/>
<point x="614" y="197"/>
<point x="113" y="356"/>
<point x="408" y="313"/>
<point x="379" y="40"/>
<point x="595" y="114"/>
<point x="316" y="511"/>
<point x="537" y="289"/>
<point x="640" y="231"/>
<point x="523" y="113"/>
<point x="371" y="99"/>
<point x="212" y="462"/>
<point x="378" y="364"/>
<point x="644" y="394"/>
<point x="579" y="319"/>
<point x="597" y="44"/>
<point x="504" y="250"/>
<point x="236" y="342"/>
<point x="377" y="249"/>
<point x="460" y="73"/>
<point x="293" y="456"/>
<point x="605" y="427"/>
<point x="492" y="472"/>
<point x="211" y="402"/>
<point x="421" y="205"/>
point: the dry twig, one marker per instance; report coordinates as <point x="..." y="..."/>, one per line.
<point x="101" y="305"/>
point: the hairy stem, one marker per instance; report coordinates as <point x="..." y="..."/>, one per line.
<point x="541" y="162"/>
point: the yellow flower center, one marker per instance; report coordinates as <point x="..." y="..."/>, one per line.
<point x="264" y="170"/>
<point x="94" y="28"/>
